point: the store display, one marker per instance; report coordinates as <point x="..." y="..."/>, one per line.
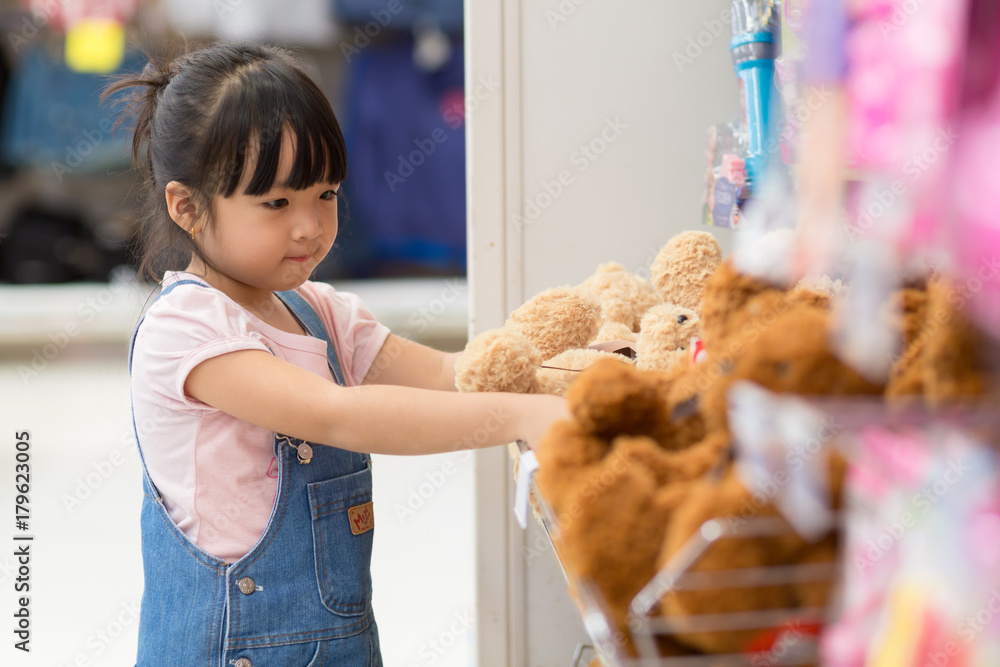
<point x="53" y="118"/>
<point x="740" y="152"/>
<point x="921" y="549"/>
<point x="610" y="481"/>
<point x="726" y="187"/>
<point x="652" y="458"/>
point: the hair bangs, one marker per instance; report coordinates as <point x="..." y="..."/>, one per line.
<point x="246" y="132"/>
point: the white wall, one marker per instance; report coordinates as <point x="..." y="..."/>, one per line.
<point x="545" y="77"/>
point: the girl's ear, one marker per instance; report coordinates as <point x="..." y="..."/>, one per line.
<point x="180" y="206"/>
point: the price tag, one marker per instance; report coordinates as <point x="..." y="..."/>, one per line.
<point x="526" y="467"/>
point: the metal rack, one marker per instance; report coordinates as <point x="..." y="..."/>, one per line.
<point x="646" y="624"/>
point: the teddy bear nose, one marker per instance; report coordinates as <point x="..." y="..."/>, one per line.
<point x="681" y="319"/>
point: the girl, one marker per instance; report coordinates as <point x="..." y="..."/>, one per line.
<point x="258" y="395"/>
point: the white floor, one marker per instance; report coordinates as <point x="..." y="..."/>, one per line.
<point x="86" y="576"/>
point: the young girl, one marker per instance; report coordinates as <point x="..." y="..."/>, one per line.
<point x="258" y="395"/>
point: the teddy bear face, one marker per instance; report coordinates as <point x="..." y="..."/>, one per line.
<point x="665" y="330"/>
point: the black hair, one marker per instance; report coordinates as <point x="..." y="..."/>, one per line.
<point x="205" y="117"/>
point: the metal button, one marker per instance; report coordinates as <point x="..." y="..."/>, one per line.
<point x="243" y="662"/>
<point x="247" y="586"/>
<point x="305" y="453"/>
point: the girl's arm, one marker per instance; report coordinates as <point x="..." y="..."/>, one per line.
<point x="279" y="396"/>
<point x="404" y="362"/>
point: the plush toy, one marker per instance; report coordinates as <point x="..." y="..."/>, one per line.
<point x="648" y="454"/>
<point x="623" y="296"/>
<point x="545" y="343"/>
<point x="556" y="322"/>
<point x="943" y="359"/>
<point x="680" y="272"/>
<point x="613" y="476"/>
<point x="665" y="336"/>
<point x="683" y="266"/>
<point x="733" y="506"/>
<point x="791" y="354"/>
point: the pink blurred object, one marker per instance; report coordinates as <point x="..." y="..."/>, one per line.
<point x="974" y="181"/>
<point x="924" y="96"/>
<point x="903" y="86"/>
<point x="734" y="169"/>
<point x="60" y="14"/>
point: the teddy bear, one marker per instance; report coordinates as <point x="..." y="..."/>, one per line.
<point x="657" y="446"/>
<point x="623" y="297"/>
<point x="547" y="341"/>
<point x="680" y="272"/>
<point x="683" y="266"/>
<point x="539" y="348"/>
<point x="666" y="333"/>
<point x="732" y="506"/>
<point x="792" y="354"/>
<point x="943" y="356"/>
<point x="612" y="476"/>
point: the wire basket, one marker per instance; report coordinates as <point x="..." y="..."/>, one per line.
<point x="798" y="645"/>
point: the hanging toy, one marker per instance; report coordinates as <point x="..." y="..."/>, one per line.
<point x="95" y="31"/>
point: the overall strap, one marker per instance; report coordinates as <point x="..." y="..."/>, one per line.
<point x="310" y="321"/>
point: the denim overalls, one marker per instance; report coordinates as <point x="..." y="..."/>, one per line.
<point x="301" y="596"/>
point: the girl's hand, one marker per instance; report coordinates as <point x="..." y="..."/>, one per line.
<point x="540" y="414"/>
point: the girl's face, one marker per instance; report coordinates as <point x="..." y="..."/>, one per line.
<point x="272" y="242"/>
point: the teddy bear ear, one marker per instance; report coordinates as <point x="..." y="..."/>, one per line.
<point x="683" y="265"/>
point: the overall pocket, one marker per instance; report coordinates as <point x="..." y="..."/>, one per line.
<point x="343" y="527"/>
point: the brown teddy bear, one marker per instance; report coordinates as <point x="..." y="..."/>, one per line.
<point x="680" y="272"/>
<point x="943" y="361"/>
<point x="650" y="444"/>
<point x="727" y="501"/>
<point x="613" y="476"/>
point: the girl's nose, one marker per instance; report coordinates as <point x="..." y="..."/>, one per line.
<point x="308" y="225"/>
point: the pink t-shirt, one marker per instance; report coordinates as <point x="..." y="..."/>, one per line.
<point x="217" y="474"/>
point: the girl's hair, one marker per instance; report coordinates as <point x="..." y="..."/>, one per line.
<point x="206" y="117"/>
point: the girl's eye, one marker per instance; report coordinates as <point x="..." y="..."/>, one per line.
<point x="330" y="194"/>
<point x="276" y="203"/>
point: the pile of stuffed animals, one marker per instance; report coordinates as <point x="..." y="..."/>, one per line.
<point x="647" y="459"/>
<point x="545" y="342"/>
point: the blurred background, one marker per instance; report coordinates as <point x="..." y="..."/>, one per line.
<point x="69" y="205"/>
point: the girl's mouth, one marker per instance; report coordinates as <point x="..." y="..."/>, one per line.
<point x="303" y="258"/>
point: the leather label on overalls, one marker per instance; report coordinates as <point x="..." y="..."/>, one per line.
<point x="362" y="518"/>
